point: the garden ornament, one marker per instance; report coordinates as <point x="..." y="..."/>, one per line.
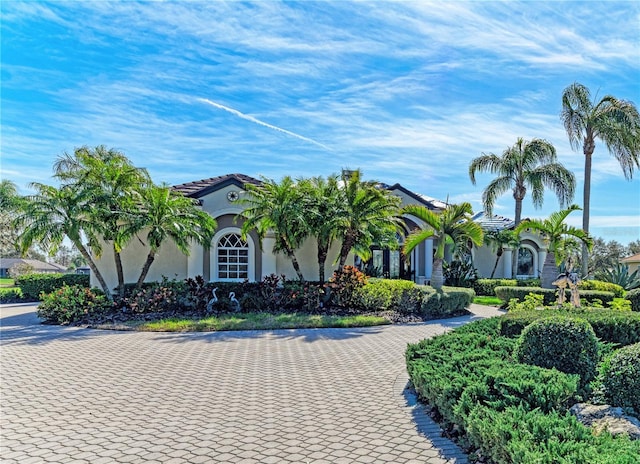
<point x="213" y="300"/>
<point x="561" y="282"/>
<point x="235" y="304"/>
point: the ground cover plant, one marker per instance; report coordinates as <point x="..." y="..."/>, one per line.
<point x="503" y="408"/>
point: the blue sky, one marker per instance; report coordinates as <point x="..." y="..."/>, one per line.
<point x="409" y="92"/>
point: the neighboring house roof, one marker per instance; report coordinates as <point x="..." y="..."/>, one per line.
<point x="631" y="259"/>
<point x="493" y="222"/>
<point x="200" y="188"/>
<point x="7" y="263"/>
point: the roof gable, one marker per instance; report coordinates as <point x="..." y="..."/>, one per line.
<point x="200" y="188"/>
<point x="430" y="203"/>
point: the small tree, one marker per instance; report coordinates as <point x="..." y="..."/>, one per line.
<point x="560" y="238"/>
<point x="497" y="240"/>
<point x="452" y="227"/>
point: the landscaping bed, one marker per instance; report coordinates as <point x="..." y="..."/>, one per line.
<point x="488" y="386"/>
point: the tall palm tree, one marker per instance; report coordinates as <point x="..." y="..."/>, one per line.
<point x="277" y="207"/>
<point x="615" y="122"/>
<point x="8" y="195"/>
<point x="115" y="184"/>
<point x="452" y="227"/>
<point x="559" y="236"/>
<point x="370" y="215"/>
<point x="497" y="240"/>
<point x="55" y="213"/>
<point x="324" y="210"/>
<point x="525" y="165"/>
<point x="169" y="215"/>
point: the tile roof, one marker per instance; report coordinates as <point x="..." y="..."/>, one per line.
<point x="631" y="259"/>
<point x="200" y="188"/>
<point x="493" y="222"/>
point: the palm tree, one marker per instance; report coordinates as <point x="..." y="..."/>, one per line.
<point x="55" y="213"/>
<point x="615" y="122"/>
<point x="324" y="211"/>
<point x="277" y="207"/>
<point x="169" y="215"/>
<point x="452" y="227"/>
<point x="525" y="165"/>
<point x="370" y="215"/>
<point x="115" y="184"/>
<point x="559" y="236"/>
<point x="8" y="195"/>
<point x="497" y="240"/>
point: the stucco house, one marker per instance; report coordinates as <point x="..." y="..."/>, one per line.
<point x="632" y="261"/>
<point x="230" y="258"/>
<point x="38" y="266"/>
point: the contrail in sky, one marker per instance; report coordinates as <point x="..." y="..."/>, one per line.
<point x="262" y="123"/>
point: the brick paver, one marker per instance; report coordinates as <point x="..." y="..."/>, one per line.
<point x="72" y="395"/>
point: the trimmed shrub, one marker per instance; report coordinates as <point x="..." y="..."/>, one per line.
<point x="600" y="286"/>
<point x="32" y="285"/>
<point x="567" y="344"/>
<point x="516" y="435"/>
<point x="10" y="295"/>
<point x="486" y="287"/>
<point x="621" y="328"/>
<point x="445" y="302"/>
<point x="528" y="283"/>
<point x="402" y="296"/>
<point x="71" y="304"/>
<point x="507" y="293"/>
<point x="344" y="285"/>
<point x="634" y="297"/>
<point x="620" y="374"/>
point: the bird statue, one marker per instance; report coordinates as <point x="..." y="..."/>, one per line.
<point x="212" y="301"/>
<point x="235" y="304"/>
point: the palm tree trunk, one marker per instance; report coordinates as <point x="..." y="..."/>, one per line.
<point x="92" y="265"/>
<point x="347" y="244"/>
<point x="495" y="266"/>
<point x="549" y="271"/>
<point x="518" y="211"/>
<point x="437" y="277"/>
<point x="586" y="199"/>
<point x="322" y="258"/>
<point x="296" y="265"/>
<point x="145" y="269"/>
<point x="119" y="271"/>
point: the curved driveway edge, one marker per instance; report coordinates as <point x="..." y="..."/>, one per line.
<point x="302" y="396"/>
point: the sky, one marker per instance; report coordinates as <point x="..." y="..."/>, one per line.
<point x="409" y="92"/>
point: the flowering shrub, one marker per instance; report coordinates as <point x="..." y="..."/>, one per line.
<point x="167" y="295"/>
<point x="344" y="284"/>
<point x="71" y="304"/>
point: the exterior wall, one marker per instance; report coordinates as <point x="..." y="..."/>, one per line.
<point x="484" y="258"/>
<point x="307" y="257"/>
<point x="169" y="262"/>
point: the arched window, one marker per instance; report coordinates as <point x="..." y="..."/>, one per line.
<point x="526" y="265"/>
<point x="232" y="257"/>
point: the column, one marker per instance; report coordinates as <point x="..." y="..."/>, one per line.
<point x="268" y="258"/>
<point x="428" y="258"/>
<point x="195" y="260"/>
<point x="542" y="256"/>
<point x="507" y="262"/>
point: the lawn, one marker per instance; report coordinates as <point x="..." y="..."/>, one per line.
<point x="6" y="282"/>
<point x="256" y="321"/>
<point x="488" y="300"/>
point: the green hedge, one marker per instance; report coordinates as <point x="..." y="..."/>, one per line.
<point x="634" y="297"/>
<point x="10" y="295"/>
<point x="514" y="413"/>
<point x="507" y="293"/>
<point x="518" y="435"/>
<point x="622" y="328"/>
<point x="32" y="285"/>
<point x="445" y="302"/>
<point x="600" y="286"/>
<point x="402" y="296"/>
<point x="620" y="376"/>
<point x="486" y="287"/>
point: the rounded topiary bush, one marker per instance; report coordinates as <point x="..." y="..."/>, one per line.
<point x="569" y="345"/>
<point x="634" y="297"/>
<point x="621" y="377"/>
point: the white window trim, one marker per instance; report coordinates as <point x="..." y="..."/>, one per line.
<point x="213" y="265"/>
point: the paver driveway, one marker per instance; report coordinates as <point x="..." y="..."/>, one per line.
<point x="306" y="396"/>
